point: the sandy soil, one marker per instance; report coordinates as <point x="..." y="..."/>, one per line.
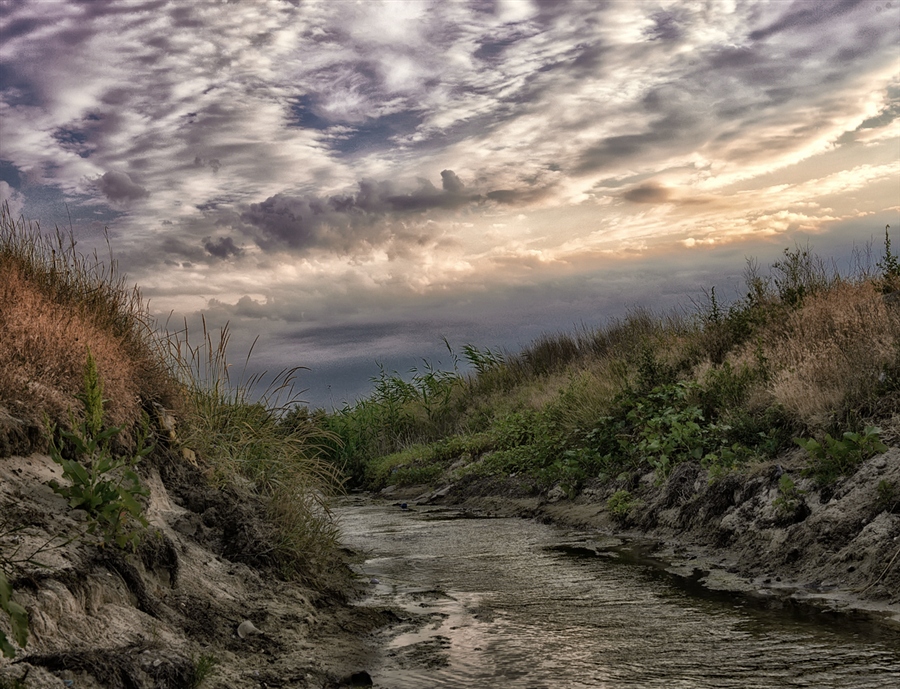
<point x="195" y="589"/>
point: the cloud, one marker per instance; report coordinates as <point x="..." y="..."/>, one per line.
<point x="451" y="182"/>
<point x="378" y="214"/>
<point x="223" y="247"/>
<point x="119" y="187"/>
<point x="242" y="136"/>
<point x="649" y="192"/>
<point x="13" y="198"/>
<point x="805" y="16"/>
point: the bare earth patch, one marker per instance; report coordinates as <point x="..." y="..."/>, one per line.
<point x="104" y="618"/>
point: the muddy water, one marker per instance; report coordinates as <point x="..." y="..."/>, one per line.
<point x="515" y="604"/>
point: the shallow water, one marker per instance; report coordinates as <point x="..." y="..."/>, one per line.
<point x="513" y="603"/>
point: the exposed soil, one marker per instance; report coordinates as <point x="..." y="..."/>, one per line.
<point x="834" y="550"/>
<point x="200" y="586"/>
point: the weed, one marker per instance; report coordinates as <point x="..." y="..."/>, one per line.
<point x="18" y="619"/>
<point x="836" y="457"/>
<point x="483" y="360"/>
<point x="238" y="437"/>
<point x="800" y="274"/>
<point x="789" y="496"/>
<point x="889" y="266"/>
<point x="52" y="296"/>
<point x="620" y="505"/>
<point x="104" y="486"/>
<point x="887" y="496"/>
<point x="204" y="666"/>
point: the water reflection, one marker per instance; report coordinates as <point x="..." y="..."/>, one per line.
<point x="506" y="605"/>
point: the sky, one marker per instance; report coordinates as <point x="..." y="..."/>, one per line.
<point x="353" y="181"/>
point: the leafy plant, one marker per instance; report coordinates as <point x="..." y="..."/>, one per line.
<point x="18" y="619"/>
<point x="103" y="485"/>
<point x="835" y="457"/>
<point x="620" y="504"/>
<point x="789" y="496"/>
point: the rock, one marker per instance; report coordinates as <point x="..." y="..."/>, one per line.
<point x="246" y="628"/>
<point x="556" y="494"/>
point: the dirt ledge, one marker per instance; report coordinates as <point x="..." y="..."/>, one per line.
<point x="103" y="618"/>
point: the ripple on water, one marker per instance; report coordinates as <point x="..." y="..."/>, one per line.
<point x="503" y="605"/>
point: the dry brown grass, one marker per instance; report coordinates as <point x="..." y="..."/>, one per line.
<point x="54" y="304"/>
<point x="43" y="350"/>
<point x="830" y="353"/>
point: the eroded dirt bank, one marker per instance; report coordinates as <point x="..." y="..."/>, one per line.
<point x="835" y="551"/>
<point x="198" y="589"/>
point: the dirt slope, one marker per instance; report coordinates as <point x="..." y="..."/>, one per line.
<point x="103" y="618"/>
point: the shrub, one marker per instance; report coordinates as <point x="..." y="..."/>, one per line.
<point x="835" y="457"/>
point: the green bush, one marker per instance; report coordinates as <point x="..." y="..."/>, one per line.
<point x="836" y="457"/>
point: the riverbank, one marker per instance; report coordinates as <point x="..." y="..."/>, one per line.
<point x="833" y="551"/>
<point x="160" y="527"/>
<point x="196" y="604"/>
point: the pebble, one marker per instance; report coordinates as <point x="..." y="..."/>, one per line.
<point x="246" y="628"/>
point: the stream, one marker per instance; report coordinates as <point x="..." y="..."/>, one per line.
<point x="486" y="603"/>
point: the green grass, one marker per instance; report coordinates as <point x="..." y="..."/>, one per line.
<point x="807" y="352"/>
<point x="237" y="436"/>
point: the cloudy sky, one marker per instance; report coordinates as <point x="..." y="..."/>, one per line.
<point x="354" y="180"/>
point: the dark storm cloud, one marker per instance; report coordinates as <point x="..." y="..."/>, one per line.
<point x="375" y="215"/>
<point x="223" y="247"/>
<point x="118" y="187"/>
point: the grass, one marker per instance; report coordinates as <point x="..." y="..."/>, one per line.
<point x="57" y="305"/>
<point x="54" y="303"/>
<point x="808" y="352"/>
